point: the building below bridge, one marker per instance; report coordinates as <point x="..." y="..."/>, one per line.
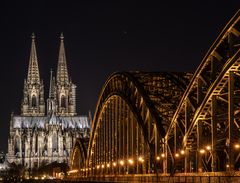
<point x="36" y="137"/>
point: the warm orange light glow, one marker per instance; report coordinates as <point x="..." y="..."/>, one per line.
<point x="208" y="147"/>
<point x="176" y="155"/>
<point x="102" y="165"/>
<point x="158" y="158"/>
<point x="163" y="155"/>
<point x="130" y="161"/>
<point x="237" y="146"/>
<point x="182" y="152"/>
<point x="98" y="166"/>
<point x="73" y="171"/>
<point x="108" y="165"/>
<point x="227" y="166"/>
<point x="202" y="151"/>
<point x="121" y="162"/>
<point x="141" y="159"/>
<point x="114" y="164"/>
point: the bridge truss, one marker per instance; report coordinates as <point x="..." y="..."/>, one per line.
<point x="169" y="122"/>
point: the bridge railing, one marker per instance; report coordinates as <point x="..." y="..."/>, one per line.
<point x="161" y="179"/>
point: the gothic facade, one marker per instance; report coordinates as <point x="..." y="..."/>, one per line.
<point x="40" y="136"/>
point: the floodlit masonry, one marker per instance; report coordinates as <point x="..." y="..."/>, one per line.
<point x="38" y="138"/>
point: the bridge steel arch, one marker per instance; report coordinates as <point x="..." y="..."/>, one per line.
<point x="130" y="121"/>
<point x="203" y="135"/>
<point x="78" y="156"/>
<point x="171" y="122"/>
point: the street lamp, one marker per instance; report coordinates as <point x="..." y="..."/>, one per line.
<point x="237" y="146"/>
<point x="130" y="161"/>
<point x="208" y="147"/>
<point x="202" y="151"/>
<point x="141" y="159"/>
<point x="176" y="155"/>
<point x="121" y="162"/>
<point x="182" y="152"/>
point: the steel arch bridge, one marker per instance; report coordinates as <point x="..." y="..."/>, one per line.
<point x="170" y="122"/>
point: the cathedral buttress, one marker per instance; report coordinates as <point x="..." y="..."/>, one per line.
<point x="33" y="92"/>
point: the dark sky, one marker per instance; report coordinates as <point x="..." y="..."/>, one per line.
<point x="102" y="37"/>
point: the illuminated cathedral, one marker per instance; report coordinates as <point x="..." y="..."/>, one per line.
<point x="40" y="136"/>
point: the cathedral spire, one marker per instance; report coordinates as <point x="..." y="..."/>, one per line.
<point x="52" y="85"/>
<point x="62" y="72"/>
<point x="33" y="71"/>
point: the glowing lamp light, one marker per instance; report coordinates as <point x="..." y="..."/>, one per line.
<point x="163" y="155"/>
<point x="73" y="171"/>
<point x="130" y="161"/>
<point x="114" y="164"/>
<point x="102" y="165"/>
<point x="141" y="159"/>
<point x="108" y="165"/>
<point x="122" y="162"/>
<point x="98" y="166"/>
<point x="182" y="152"/>
<point x="208" y="148"/>
<point x="176" y="155"/>
<point x="202" y="151"/>
<point x="237" y="146"/>
<point x="227" y="166"/>
<point x="158" y="158"/>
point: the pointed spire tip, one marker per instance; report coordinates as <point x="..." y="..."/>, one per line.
<point x="33" y="35"/>
<point x="61" y="37"/>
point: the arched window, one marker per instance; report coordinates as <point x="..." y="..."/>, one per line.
<point x="36" y="144"/>
<point x="63" y="101"/>
<point x="17" y="145"/>
<point x="34" y="101"/>
<point x="55" y="142"/>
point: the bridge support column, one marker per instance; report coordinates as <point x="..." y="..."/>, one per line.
<point x="187" y="122"/>
<point x="157" y="147"/>
<point x="214" y="133"/>
<point x="199" y="127"/>
<point x="165" y="169"/>
<point x="199" y="145"/>
<point x="231" y="119"/>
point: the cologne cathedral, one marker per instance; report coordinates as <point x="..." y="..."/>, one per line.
<point x="40" y="136"/>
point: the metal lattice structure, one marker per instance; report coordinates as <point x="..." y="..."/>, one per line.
<point x="79" y="154"/>
<point x="171" y="122"/>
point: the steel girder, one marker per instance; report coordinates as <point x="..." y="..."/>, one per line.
<point x="188" y="126"/>
<point x="146" y="101"/>
<point x="78" y="156"/>
<point x="207" y="117"/>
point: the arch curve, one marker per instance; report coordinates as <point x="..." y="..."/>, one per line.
<point x="133" y="92"/>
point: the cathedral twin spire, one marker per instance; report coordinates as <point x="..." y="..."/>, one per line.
<point x="33" y="71"/>
<point x="62" y="72"/>
<point x="61" y="93"/>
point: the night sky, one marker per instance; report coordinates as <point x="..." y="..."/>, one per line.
<point x="102" y="37"/>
